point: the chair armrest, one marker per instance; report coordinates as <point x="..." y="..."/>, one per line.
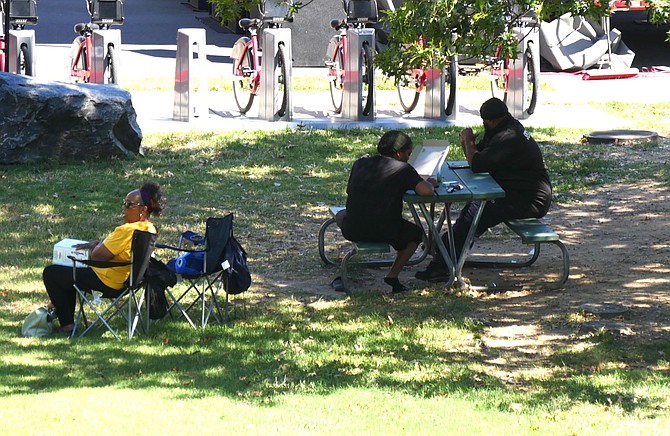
<point x="171" y="247"/>
<point x="98" y="263"/>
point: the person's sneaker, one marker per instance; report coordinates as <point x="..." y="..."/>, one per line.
<point x="435" y="272"/>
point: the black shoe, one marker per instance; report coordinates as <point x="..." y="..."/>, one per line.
<point x="396" y="286"/>
<point x="435" y="272"/>
<point x="337" y="284"/>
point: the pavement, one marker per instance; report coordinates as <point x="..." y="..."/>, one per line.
<point x="148" y="56"/>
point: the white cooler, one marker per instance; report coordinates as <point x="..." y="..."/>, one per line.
<point x="63" y="249"/>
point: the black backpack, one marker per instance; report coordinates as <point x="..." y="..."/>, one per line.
<point x="159" y="278"/>
<point x="237" y="275"/>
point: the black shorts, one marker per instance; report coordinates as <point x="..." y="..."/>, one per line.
<point x="408" y="232"/>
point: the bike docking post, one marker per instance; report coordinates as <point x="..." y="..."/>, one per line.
<point x="269" y="106"/>
<point x="352" y="100"/>
<point x="17" y="39"/>
<point x="518" y="92"/>
<point x="102" y="39"/>
<point x="190" y="68"/>
<point x="435" y="103"/>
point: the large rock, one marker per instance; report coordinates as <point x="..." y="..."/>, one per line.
<point x="58" y="121"/>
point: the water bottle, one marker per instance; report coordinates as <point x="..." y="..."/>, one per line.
<point x="97" y="295"/>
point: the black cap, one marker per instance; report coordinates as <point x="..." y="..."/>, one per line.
<point x="393" y="141"/>
<point x="492" y="109"/>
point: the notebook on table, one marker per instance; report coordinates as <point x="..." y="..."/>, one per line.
<point x="428" y="158"/>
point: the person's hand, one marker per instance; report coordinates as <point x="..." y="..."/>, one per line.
<point x="86" y="245"/>
<point x="466" y="136"/>
<point x="432" y="181"/>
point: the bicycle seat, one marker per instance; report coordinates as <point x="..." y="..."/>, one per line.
<point x="335" y="24"/>
<point x="246" y="23"/>
<point x="82" y="28"/>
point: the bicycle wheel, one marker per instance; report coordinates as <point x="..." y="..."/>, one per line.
<point x="25" y="62"/>
<point x="409" y="89"/>
<point x="531" y="78"/>
<point x="111" y="66"/>
<point x="332" y="245"/>
<point x="336" y="76"/>
<point x="281" y="90"/>
<point x="243" y="73"/>
<point x="450" y="77"/>
<point x="367" y="77"/>
<point x="499" y="76"/>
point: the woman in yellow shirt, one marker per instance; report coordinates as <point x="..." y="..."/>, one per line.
<point x="138" y="206"/>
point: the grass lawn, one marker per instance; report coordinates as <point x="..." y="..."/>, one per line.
<point x="297" y="363"/>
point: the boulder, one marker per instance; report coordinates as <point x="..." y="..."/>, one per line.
<point x="43" y="121"/>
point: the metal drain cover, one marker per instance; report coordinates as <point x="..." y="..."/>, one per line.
<point x="605" y="310"/>
<point x="621" y="137"/>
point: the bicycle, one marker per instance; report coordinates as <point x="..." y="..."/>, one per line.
<point x="104" y="14"/>
<point x="21" y="13"/>
<point x="499" y="70"/>
<point x="247" y="61"/>
<point x="414" y="81"/>
<point x="359" y="14"/>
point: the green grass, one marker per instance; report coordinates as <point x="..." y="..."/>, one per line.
<point x="297" y="363"/>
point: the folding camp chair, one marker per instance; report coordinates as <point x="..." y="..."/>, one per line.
<point x="205" y="283"/>
<point x="132" y="294"/>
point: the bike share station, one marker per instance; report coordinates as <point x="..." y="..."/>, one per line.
<point x="21" y="13"/>
<point x="190" y="103"/>
<point x="352" y="100"/>
<point x="518" y="90"/>
<point x="269" y="106"/>
<point x="435" y="102"/>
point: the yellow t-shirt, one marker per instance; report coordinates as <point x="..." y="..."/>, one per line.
<point x="119" y="243"/>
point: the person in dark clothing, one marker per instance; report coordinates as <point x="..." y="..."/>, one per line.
<point x="374" y="202"/>
<point x="514" y="160"/>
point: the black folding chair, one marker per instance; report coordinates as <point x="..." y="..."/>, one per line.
<point x="205" y="284"/>
<point x="132" y="294"/>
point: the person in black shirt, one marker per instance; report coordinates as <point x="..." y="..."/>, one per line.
<point x="374" y="202"/>
<point x="513" y="158"/>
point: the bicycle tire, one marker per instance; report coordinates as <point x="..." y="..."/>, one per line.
<point x="368" y="80"/>
<point x="337" y="79"/>
<point x="409" y="90"/>
<point x="111" y="67"/>
<point x="242" y="86"/>
<point x="532" y="78"/>
<point x="25" y="62"/>
<point x="450" y="80"/>
<point x="281" y="90"/>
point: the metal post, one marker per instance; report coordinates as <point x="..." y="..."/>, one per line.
<point x="435" y="102"/>
<point x="5" y="20"/>
<point x="270" y="71"/>
<point x="517" y="88"/>
<point x="102" y="39"/>
<point x="16" y="40"/>
<point x="189" y="103"/>
<point x="352" y="107"/>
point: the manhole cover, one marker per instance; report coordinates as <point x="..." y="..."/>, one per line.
<point x="605" y="310"/>
<point x="605" y="326"/>
<point x="621" y="137"/>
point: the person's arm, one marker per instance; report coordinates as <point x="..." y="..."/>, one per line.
<point x="101" y="253"/>
<point x="424" y="188"/>
<point x="467" y="138"/>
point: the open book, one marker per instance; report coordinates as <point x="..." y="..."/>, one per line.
<point x="429" y="157"/>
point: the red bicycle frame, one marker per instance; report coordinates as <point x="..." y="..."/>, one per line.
<point x="255" y="74"/>
<point x="81" y="66"/>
